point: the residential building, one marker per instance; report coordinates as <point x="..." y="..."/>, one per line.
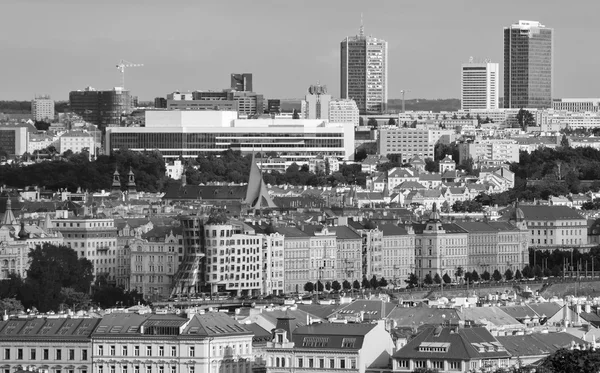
<point x="296" y="257"/>
<point x="91" y="238"/>
<point x="529" y="349"/>
<point x="348" y="264"/>
<point x="42" y="108"/>
<point x="344" y="111"/>
<point x="14" y="139"/>
<point x="273" y="265"/>
<point x="439" y="248"/>
<point x="154" y="260"/>
<point x="160" y="103"/>
<point x="242" y="82"/>
<point x="147" y="343"/>
<point x="322" y="253"/>
<point x="248" y="103"/>
<point x="553" y="226"/>
<point x="479" y="85"/>
<point x="452" y="349"/>
<point x="407" y="142"/>
<point x="191" y="133"/>
<point x="77" y="141"/>
<point x="175" y="170"/>
<point x="54" y="344"/>
<point x="372" y="249"/>
<point x="364" y="66"/>
<point x="496" y="246"/>
<point x="102" y="108"/>
<point x="503" y="150"/>
<point x="274" y="106"/>
<point x="528" y="64"/>
<point x="325" y="347"/>
<point x="325" y="165"/>
<point x="576" y="104"/>
<point x="398" y="253"/>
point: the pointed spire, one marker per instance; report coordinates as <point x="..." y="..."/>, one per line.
<point x="361" y="31"/>
<point x="9" y="217"/>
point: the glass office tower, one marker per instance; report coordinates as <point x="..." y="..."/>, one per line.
<point x="528" y="65"/>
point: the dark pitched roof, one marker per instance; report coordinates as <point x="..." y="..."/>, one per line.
<point x="374" y="309"/>
<point x="541" y="212"/>
<point x="205" y="192"/>
<point x="460" y="344"/>
<point x="332" y="336"/>
<point x="392" y="230"/>
<point x="417" y="316"/>
<point x="59" y="328"/>
<point x="291" y="232"/>
<point x="537" y="344"/>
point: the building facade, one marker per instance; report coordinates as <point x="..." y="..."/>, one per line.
<point x="344" y="111"/>
<point x="364" y="66"/>
<point x="528" y="64"/>
<point x="77" y="141"/>
<point x="576" y="104"/>
<point x="102" y="108"/>
<point x="479" y="87"/>
<point x="191" y="133"/>
<point x="242" y="82"/>
<point x="296" y="257"/>
<point x="42" y="109"/>
<point x="14" y="139"/>
<point x="408" y="142"/>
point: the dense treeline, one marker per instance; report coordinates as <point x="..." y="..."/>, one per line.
<point x="24" y="107"/>
<point x="57" y="279"/>
<point x="231" y="166"/>
<point x="77" y="171"/>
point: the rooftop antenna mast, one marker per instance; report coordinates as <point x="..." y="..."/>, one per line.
<point x="361" y="31"/>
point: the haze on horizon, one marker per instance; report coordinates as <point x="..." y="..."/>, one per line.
<point x="53" y="47"/>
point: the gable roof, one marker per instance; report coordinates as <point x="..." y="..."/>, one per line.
<point x="416" y="317"/>
<point x="537" y="344"/>
<point x="44" y="328"/>
<point x="548" y="213"/>
<point x="329" y="336"/>
<point x="374" y="309"/>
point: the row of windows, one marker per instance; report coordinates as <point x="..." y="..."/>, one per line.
<point x="45" y="355"/>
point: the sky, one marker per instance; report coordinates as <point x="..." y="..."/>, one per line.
<point x="56" y="46"/>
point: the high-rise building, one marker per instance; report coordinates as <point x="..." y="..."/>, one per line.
<point x="528" y="65"/>
<point x="14" y="140"/>
<point x="42" y="108"/>
<point x="479" y="85"/>
<point x="102" y="108"/>
<point x="242" y="82"/>
<point x="364" y="63"/>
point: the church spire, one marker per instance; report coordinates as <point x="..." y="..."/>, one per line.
<point x="9" y="217"/>
<point x="116" y="184"/>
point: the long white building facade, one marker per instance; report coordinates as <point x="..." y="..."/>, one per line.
<point x="191" y="133"/>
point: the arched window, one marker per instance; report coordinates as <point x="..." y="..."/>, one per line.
<point x="277" y="362"/>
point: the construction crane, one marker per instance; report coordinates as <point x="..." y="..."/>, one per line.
<point x="124" y="64"/>
<point x="403" y="92"/>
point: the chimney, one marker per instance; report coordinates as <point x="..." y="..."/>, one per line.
<point x="588" y="308"/>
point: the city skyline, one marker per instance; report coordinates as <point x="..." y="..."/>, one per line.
<point x="428" y="41"/>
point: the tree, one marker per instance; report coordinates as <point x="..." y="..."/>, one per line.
<point x="412" y="281"/>
<point x="361" y="121"/>
<point x="52" y="268"/>
<point x="527" y="272"/>
<point x="109" y="296"/>
<point x="485" y="276"/>
<point x="518" y="275"/>
<point x="320" y="286"/>
<point x="497" y="276"/>
<point x="525" y="119"/>
<point x="346" y="285"/>
<point x="373" y="282"/>
<point x="468" y="277"/>
<point x="382" y="283"/>
<point x="295" y="114"/>
<point x="328" y="286"/>
<point x="75" y="300"/>
<point x="41" y="125"/>
<point x="567" y="360"/>
<point x="459" y="272"/>
<point x="508" y="274"/>
<point x="309" y="287"/>
<point x="445" y="207"/>
<point x="556" y="271"/>
<point x="474" y="276"/>
<point x="10" y="306"/>
<point x="336" y="286"/>
<point x="356" y="285"/>
<point x="446" y="278"/>
<point x="372" y="122"/>
<point x="564" y="142"/>
<point x="366" y="284"/>
<point x="392" y="122"/>
<point x="428" y="279"/>
<point x="437" y="279"/>
<point x="537" y="271"/>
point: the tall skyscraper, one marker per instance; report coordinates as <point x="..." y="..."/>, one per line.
<point x="479" y="85"/>
<point x="364" y="63"/>
<point x="242" y="82"/>
<point x="528" y="65"/>
<point x="316" y="103"/>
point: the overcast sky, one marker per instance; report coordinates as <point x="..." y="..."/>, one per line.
<point x="55" y="46"/>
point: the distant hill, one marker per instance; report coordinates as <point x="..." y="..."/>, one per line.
<point x="419" y="104"/>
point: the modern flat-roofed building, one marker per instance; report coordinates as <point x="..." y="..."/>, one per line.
<point x="408" y="142"/>
<point x="190" y="133"/>
<point x="479" y="85"/>
<point x="528" y="65"/>
<point x="576" y="104"/>
<point x="14" y="139"/>
<point x="102" y="108"/>
<point x="241" y="82"/>
<point x="42" y="108"/>
<point x="503" y="150"/>
<point x="344" y="111"/>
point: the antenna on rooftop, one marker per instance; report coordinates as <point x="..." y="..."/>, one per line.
<point x="361" y="31"/>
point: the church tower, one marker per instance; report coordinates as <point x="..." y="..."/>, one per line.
<point x="131" y="187"/>
<point x="429" y="255"/>
<point x="116" y="184"/>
